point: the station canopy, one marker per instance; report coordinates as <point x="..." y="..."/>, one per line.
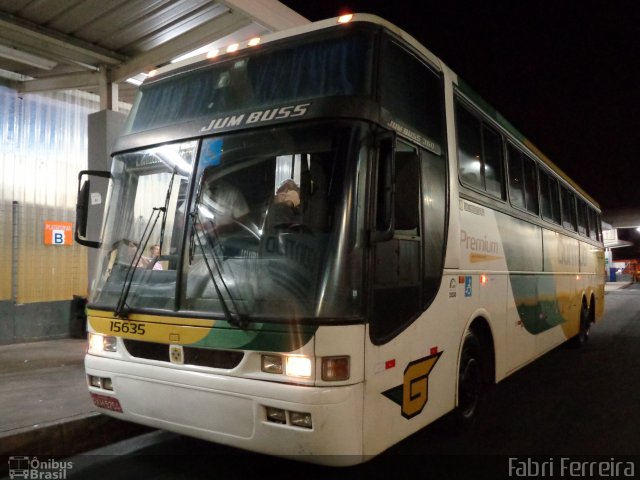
<point x="93" y="45"/>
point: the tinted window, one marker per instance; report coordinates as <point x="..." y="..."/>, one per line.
<point x="479" y="153"/>
<point x="593" y="224"/>
<point x="523" y="181"/>
<point x="492" y="155"/>
<point x="469" y="148"/>
<point x="568" y="209"/>
<point x="583" y="228"/>
<point x="549" y="197"/>
<point x="327" y="67"/>
<point x="412" y="93"/>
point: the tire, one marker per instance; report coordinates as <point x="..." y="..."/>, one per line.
<point x="581" y="339"/>
<point x="471" y="382"/>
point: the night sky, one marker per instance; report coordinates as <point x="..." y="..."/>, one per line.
<point x="565" y="73"/>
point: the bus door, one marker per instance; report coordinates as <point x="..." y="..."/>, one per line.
<point x="406" y="272"/>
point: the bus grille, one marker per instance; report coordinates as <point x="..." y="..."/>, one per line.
<point x="202" y="357"/>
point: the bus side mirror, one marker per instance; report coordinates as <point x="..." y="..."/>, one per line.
<point x="88" y="205"/>
<point x="385" y="191"/>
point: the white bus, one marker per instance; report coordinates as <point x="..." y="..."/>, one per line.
<point x="349" y="244"/>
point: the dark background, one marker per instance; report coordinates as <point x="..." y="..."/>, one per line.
<point x="565" y="73"/>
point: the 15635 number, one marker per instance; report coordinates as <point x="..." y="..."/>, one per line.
<point x="127" y="327"/>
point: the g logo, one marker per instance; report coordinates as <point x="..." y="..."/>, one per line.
<point x="415" y="388"/>
<point x="413" y="394"/>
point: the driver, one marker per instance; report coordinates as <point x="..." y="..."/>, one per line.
<point x="223" y="207"/>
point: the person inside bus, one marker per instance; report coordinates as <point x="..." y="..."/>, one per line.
<point x="151" y="262"/>
<point x="286" y="207"/>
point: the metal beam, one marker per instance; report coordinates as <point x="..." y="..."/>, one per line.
<point x="26" y="34"/>
<point x="61" y="82"/>
<point x="272" y="14"/>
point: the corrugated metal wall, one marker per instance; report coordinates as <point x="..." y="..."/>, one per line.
<point x="43" y="145"/>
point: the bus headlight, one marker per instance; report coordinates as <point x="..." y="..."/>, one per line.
<point x="291" y="366"/>
<point x="299" y="367"/>
<point x="100" y="343"/>
<point x="272" y="364"/>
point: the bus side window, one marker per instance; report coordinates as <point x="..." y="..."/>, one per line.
<point x="568" y="209"/>
<point x="583" y="227"/>
<point x="397" y="282"/>
<point x="593" y="224"/>
<point x="407" y="196"/>
<point x="523" y="181"/>
<point x="480" y="156"/>
<point x="549" y="197"/>
<point x="469" y="148"/>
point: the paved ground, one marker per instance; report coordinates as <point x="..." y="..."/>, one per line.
<point x="42" y="383"/>
<point x="44" y="403"/>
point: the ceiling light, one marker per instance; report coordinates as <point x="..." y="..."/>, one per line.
<point x="26" y="58"/>
<point x="13" y="76"/>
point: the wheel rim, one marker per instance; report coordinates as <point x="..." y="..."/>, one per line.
<point x="470" y="386"/>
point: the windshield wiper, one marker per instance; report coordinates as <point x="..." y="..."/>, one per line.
<point x="122" y="309"/>
<point x="236" y="319"/>
<point x="166" y="208"/>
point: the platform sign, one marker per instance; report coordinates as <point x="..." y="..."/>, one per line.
<point x="58" y="233"/>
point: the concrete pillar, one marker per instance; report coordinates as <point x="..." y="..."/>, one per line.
<point x="103" y="129"/>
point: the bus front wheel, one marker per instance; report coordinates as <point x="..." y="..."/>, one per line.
<point x="471" y="384"/>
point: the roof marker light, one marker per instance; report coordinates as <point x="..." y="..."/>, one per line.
<point x="152" y="73"/>
<point x="345" y="18"/>
<point x="233" y="47"/>
<point x="213" y="53"/>
<point x="254" y="41"/>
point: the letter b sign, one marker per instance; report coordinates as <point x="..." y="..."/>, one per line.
<point x="58" y="237"/>
<point x="58" y="233"/>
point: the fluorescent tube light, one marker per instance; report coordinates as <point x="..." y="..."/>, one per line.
<point x="26" y="58"/>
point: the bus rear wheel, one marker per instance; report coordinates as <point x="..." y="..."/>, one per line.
<point x="471" y="384"/>
<point x="581" y="339"/>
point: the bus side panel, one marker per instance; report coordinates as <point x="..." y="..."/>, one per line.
<point x="562" y="259"/>
<point x="410" y="380"/>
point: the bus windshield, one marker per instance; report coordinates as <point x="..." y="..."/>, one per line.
<point x="336" y="66"/>
<point x="252" y="228"/>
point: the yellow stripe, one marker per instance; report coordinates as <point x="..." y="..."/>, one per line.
<point x="481" y="257"/>
<point x="148" y="331"/>
<point x="140" y="317"/>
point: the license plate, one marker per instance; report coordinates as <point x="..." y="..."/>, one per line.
<point x="108" y="403"/>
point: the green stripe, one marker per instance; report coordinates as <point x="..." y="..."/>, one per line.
<point x="261" y="336"/>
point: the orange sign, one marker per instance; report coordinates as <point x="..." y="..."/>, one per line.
<point x="58" y="233"/>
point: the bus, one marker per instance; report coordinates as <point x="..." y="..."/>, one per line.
<point x="349" y="244"/>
